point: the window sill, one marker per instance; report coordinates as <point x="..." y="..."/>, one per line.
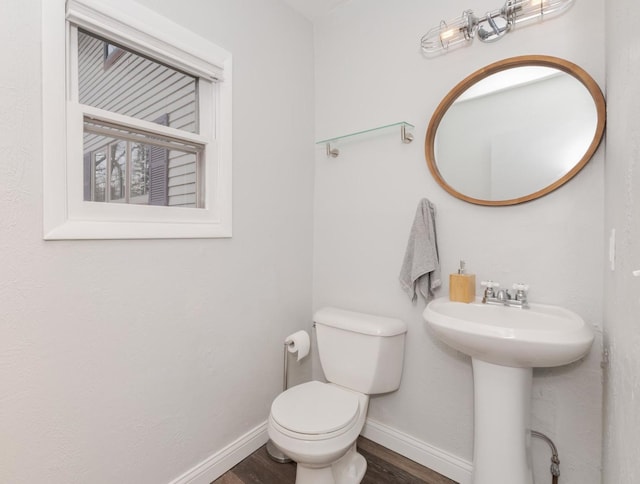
<point x="88" y="230"/>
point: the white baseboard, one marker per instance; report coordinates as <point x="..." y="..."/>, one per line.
<point x="214" y="466"/>
<point x="425" y="454"/>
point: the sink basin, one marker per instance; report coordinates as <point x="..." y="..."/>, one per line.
<point x="541" y="336"/>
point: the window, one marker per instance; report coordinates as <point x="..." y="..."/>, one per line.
<point x="145" y="150"/>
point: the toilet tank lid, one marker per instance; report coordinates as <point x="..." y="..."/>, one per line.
<point x="359" y="322"/>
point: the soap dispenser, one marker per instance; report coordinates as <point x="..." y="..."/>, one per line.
<point x="462" y="286"/>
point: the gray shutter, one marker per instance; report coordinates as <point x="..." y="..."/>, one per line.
<point x="87" y="177"/>
<point x="159" y="170"/>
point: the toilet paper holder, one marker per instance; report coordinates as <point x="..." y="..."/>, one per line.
<point x="272" y="451"/>
<point x="285" y="369"/>
<point x="298" y="342"/>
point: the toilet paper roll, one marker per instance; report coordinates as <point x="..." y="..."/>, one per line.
<point x="298" y="342"/>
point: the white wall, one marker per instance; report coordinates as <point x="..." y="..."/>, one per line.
<point x="369" y="72"/>
<point x="132" y="361"/>
<point x="622" y="304"/>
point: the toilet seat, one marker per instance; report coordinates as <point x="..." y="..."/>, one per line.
<point x="316" y="409"/>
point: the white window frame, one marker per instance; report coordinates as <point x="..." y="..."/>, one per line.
<point x="66" y="215"/>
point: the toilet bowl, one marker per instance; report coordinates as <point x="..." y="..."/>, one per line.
<point x="317" y="424"/>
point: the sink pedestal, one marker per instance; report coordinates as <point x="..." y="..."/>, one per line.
<point x="502" y="418"/>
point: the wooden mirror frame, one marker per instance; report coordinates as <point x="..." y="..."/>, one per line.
<point x="520" y="61"/>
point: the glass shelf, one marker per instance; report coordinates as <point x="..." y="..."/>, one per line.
<point x="403" y="126"/>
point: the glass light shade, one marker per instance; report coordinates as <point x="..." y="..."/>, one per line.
<point x="451" y="34"/>
<point x="528" y="11"/>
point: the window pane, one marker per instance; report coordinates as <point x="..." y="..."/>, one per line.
<point x="121" y="81"/>
<point x="118" y="171"/>
<point x="139" y="173"/>
<point x="130" y="167"/>
<point x="99" y="176"/>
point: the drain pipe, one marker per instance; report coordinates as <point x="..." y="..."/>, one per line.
<point x="555" y="461"/>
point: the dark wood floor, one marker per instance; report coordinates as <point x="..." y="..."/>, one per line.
<point x="383" y="466"/>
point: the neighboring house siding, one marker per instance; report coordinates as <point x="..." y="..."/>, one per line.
<point x="182" y="179"/>
<point x="138" y="87"/>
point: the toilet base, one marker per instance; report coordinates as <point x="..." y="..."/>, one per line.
<point x="276" y="454"/>
<point x="349" y="469"/>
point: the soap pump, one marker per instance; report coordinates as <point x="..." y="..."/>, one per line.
<point x="462" y="286"/>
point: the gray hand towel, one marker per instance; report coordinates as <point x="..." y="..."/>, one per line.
<point x="421" y="267"/>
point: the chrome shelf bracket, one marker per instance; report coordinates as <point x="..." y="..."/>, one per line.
<point x="332" y="152"/>
<point x="405" y="136"/>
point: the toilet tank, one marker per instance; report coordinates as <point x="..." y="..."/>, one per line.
<point x="360" y="351"/>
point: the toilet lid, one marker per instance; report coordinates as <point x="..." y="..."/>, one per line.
<point x="315" y="408"/>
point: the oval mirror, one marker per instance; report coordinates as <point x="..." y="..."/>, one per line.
<point x="515" y="130"/>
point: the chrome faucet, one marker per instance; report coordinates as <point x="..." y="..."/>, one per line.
<point x="515" y="298"/>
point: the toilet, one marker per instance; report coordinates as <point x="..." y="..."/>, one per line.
<point x="316" y="424"/>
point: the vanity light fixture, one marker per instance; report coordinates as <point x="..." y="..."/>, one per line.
<point x="491" y="27"/>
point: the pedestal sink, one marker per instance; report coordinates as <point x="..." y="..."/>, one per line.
<point x="505" y="344"/>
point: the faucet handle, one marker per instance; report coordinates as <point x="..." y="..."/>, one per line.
<point x="490" y="284"/>
<point x="489" y="293"/>
<point x="521" y="293"/>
